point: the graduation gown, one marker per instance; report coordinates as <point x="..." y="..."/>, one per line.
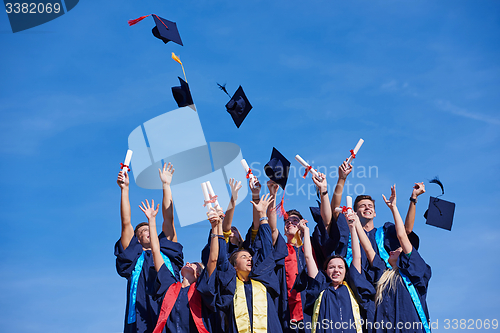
<point x="181" y="319"/>
<point x="397" y="305"/>
<point x="280" y="252"/>
<point x="335" y="311"/>
<point x="146" y="307"/>
<point x="263" y="271"/>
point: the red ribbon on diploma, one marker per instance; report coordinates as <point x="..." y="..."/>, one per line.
<point x="352" y="153"/>
<point x="249" y="173"/>
<point x="307" y="170"/>
<point x="124" y="166"/>
<point x="213" y="198"/>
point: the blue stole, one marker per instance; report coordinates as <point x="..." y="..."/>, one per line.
<point x="379" y="238"/>
<point x="135" y="280"/>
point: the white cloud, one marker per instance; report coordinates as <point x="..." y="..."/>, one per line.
<point x="450" y="108"/>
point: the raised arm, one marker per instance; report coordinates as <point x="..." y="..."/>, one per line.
<point x="167" y="209"/>
<point x="363" y="238"/>
<point x="356" y="250"/>
<point x="261" y="209"/>
<point x="312" y="268"/>
<point x="271" y="209"/>
<point x="125" y="213"/>
<point x="325" y="208"/>
<point x="418" y="189"/>
<point x="228" y="219"/>
<point x="344" y="170"/>
<point x="151" y="213"/>
<point x="398" y="221"/>
<point x="255" y="187"/>
<point x="216" y="233"/>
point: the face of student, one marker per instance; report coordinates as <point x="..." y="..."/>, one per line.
<point x="336" y="271"/>
<point x="291" y="225"/>
<point x="191" y="269"/>
<point x="366" y="209"/>
<point x="143" y="235"/>
<point x="235" y="236"/>
<point x="243" y="262"/>
<point x="394" y="255"/>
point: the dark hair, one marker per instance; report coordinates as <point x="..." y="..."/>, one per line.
<point x="232" y="258"/>
<point x="333" y="256"/>
<point x="362" y="197"/>
<point x="294" y="212"/>
<point x="140" y="225"/>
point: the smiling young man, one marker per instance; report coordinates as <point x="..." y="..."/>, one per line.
<point x="134" y="260"/>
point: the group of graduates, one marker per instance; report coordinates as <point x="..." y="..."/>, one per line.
<point x="344" y="276"/>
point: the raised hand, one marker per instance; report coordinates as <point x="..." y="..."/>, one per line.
<point x="391" y="203"/>
<point x="214" y="216"/>
<point x="344" y="169"/>
<point x="322" y="185"/>
<point x="166" y="173"/>
<point x="273" y="187"/>
<point x="302" y="225"/>
<point x="235" y="187"/>
<point x="261" y="207"/>
<point x="418" y="189"/>
<point x="255" y="187"/>
<point x="148" y="210"/>
<point x="351" y="217"/>
<point x="123" y="180"/>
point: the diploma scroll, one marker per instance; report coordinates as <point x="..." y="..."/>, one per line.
<point x="212" y="194"/>
<point x="355" y="151"/>
<point x="206" y="195"/>
<point x="248" y="171"/>
<point x="126" y="165"/>
<point x="308" y="167"/>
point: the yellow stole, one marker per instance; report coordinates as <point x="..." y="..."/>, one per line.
<point x="354" y="305"/>
<point x="259" y="317"/>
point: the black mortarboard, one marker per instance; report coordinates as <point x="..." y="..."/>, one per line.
<point x="164" y="30"/>
<point x="440" y="213"/>
<point x="391" y="241"/>
<point x="182" y="94"/>
<point x="239" y="106"/>
<point x="277" y="168"/>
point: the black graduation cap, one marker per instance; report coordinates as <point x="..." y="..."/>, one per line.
<point x="277" y="168"/>
<point x="182" y="94"/>
<point x="165" y="30"/>
<point x="440" y="213"/>
<point x="238" y="106"/>
<point x="391" y="241"/>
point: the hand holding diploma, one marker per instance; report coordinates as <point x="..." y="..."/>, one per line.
<point x="250" y="175"/>
<point x="308" y="167"/>
<point x="125" y="166"/>
<point x="346" y="210"/>
<point x="355" y="151"/>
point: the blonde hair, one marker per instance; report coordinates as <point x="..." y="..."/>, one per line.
<point x="390" y="279"/>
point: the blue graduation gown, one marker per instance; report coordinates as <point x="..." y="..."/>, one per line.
<point x="231" y="248"/>
<point x="180" y="319"/>
<point x="263" y="271"/>
<point x="146" y="308"/>
<point x="335" y="308"/>
<point x="280" y="252"/>
<point x="397" y="306"/>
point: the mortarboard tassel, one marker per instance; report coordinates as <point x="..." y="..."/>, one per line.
<point x="137" y="20"/>
<point x="281" y="208"/>
<point x="176" y="58"/>
<point x="437" y="181"/>
<point x="223" y="88"/>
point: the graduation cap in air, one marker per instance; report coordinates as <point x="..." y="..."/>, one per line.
<point x="440" y="212"/>
<point x="239" y="106"/>
<point x="277" y="168"/>
<point x="182" y="94"/>
<point x="165" y="30"/>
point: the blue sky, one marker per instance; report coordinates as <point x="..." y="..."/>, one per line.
<point x="417" y="80"/>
